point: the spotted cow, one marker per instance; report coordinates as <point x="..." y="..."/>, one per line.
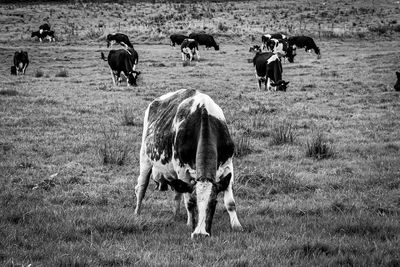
<point x="186" y="145"/>
<point x="189" y="49"/>
<point x="269" y="68"/>
<point x="21" y="62"/>
<point x="118" y="38"/>
<point x="304" y="42"/>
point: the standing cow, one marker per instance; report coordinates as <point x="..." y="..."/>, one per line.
<point x="119" y="38"/>
<point x="21" y="62"/>
<point x="186" y="144"/>
<point x="269" y="68"/>
<point x="397" y="85"/>
<point x="204" y="39"/>
<point x="189" y="49"/>
<point x="44" y="35"/>
<point x="123" y="60"/>
<point x="177" y="39"/>
<point x="304" y="42"/>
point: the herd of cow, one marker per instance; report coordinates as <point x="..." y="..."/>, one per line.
<point x="186" y="144"/>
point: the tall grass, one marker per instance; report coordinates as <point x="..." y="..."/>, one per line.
<point x="113" y="149"/>
<point x="282" y="133"/>
<point x="317" y="147"/>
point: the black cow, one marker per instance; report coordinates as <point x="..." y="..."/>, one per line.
<point x="177" y="39"/>
<point x="204" y="39"/>
<point x="306" y="42"/>
<point x="190" y="48"/>
<point x="269" y="67"/>
<point x="123" y="60"/>
<point x="119" y="38"/>
<point x="44" y="35"/>
<point x="397" y="85"/>
<point x="44" y="27"/>
<point x="21" y="62"/>
<point x="186" y="144"/>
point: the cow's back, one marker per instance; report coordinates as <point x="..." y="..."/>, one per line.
<point x="260" y="61"/>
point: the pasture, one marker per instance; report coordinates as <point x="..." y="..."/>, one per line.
<point x="69" y="139"/>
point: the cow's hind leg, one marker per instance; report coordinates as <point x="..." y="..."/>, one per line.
<point x="143" y="180"/>
<point x="112" y="76"/>
<point x="230" y="206"/>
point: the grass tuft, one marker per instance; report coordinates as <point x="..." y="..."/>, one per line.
<point x="319" y="148"/>
<point x="39" y="73"/>
<point x="242" y="145"/>
<point x="282" y="133"/>
<point x="112" y="149"/>
<point x="9" y="92"/>
<point x="128" y="117"/>
<point x="313" y="250"/>
<point x="62" y="73"/>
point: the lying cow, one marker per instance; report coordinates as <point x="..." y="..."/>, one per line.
<point x="118" y="38"/>
<point x="186" y="143"/>
<point x="397" y="85"/>
<point x="269" y="68"/>
<point x="44" y="35"/>
<point x="190" y="48"/>
<point x="204" y="39"/>
<point x="125" y="61"/>
<point x="304" y="42"/>
<point x="21" y="62"/>
<point x="177" y="39"/>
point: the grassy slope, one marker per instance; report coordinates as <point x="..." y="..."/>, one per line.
<point x="295" y="210"/>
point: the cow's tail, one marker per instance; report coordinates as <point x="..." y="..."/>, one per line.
<point x="206" y="155"/>
<point x="103" y="57"/>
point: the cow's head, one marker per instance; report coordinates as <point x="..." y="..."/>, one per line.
<point x="132" y="77"/>
<point x="203" y="200"/>
<point x="291" y="53"/>
<point x="109" y="37"/>
<point x="280" y="85"/>
<point x="216" y="47"/>
<point x="13" y="70"/>
<point x="397" y="85"/>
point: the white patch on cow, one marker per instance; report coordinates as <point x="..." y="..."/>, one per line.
<point x="269" y="84"/>
<point x="203" y="192"/>
<point x="168" y="95"/>
<point x="206" y="101"/>
<point x="267" y="36"/>
<point x="272" y="58"/>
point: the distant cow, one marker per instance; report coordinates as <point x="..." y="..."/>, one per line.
<point x="306" y="42"/>
<point x="255" y="49"/>
<point x="186" y="144"/>
<point x="397" y="85"/>
<point x="265" y="39"/>
<point x="269" y="68"/>
<point x="21" y="62"/>
<point x="123" y="60"/>
<point x="177" y="39"/>
<point x="282" y="48"/>
<point x="44" y="27"/>
<point x="204" y="39"/>
<point x="190" y="48"/>
<point x="119" y="38"/>
<point x="44" y="35"/>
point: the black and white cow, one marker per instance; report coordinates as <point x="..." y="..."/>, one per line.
<point x="123" y="60"/>
<point x="282" y="48"/>
<point x="265" y="39"/>
<point x="186" y="144"/>
<point x="177" y="39"/>
<point x="204" y="39"/>
<point x="397" y="85"/>
<point x="119" y="38"/>
<point x="44" y="35"/>
<point x="269" y="68"/>
<point x="189" y="49"/>
<point x="304" y="42"/>
<point x="44" y="27"/>
<point x="21" y="62"/>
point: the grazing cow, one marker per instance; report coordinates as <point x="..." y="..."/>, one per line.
<point x="269" y="67"/>
<point x="282" y="48"/>
<point x="265" y="39"/>
<point x="44" y="35"/>
<point x="186" y="144"/>
<point x="44" y="27"/>
<point x="189" y="48"/>
<point x="21" y="62"/>
<point x="397" y="85"/>
<point x="255" y="49"/>
<point x="119" y="38"/>
<point x="125" y="61"/>
<point x="204" y="39"/>
<point x="306" y="42"/>
<point x="177" y="39"/>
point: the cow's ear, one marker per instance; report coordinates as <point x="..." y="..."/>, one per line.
<point x="181" y="186"/>
<point x="286" y="83"/>
<point x="223" y="183"/>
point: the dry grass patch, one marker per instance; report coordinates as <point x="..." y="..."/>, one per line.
<point x="282" y="133"/>
<point x="113" y="149"/>
<point x="317" y="147"/>
<point x="62" y="73"/>
<point x="8" y="92"/>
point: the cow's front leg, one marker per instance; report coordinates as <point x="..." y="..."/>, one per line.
<point x="190" y="205"/>
<point x="230" y="206"/>
<point x="183" y="56"/>
<point x="143" y="180"/>
<point x="177" y="206"/>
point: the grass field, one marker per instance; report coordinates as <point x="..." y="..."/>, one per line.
<point x="69" y="140"/>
